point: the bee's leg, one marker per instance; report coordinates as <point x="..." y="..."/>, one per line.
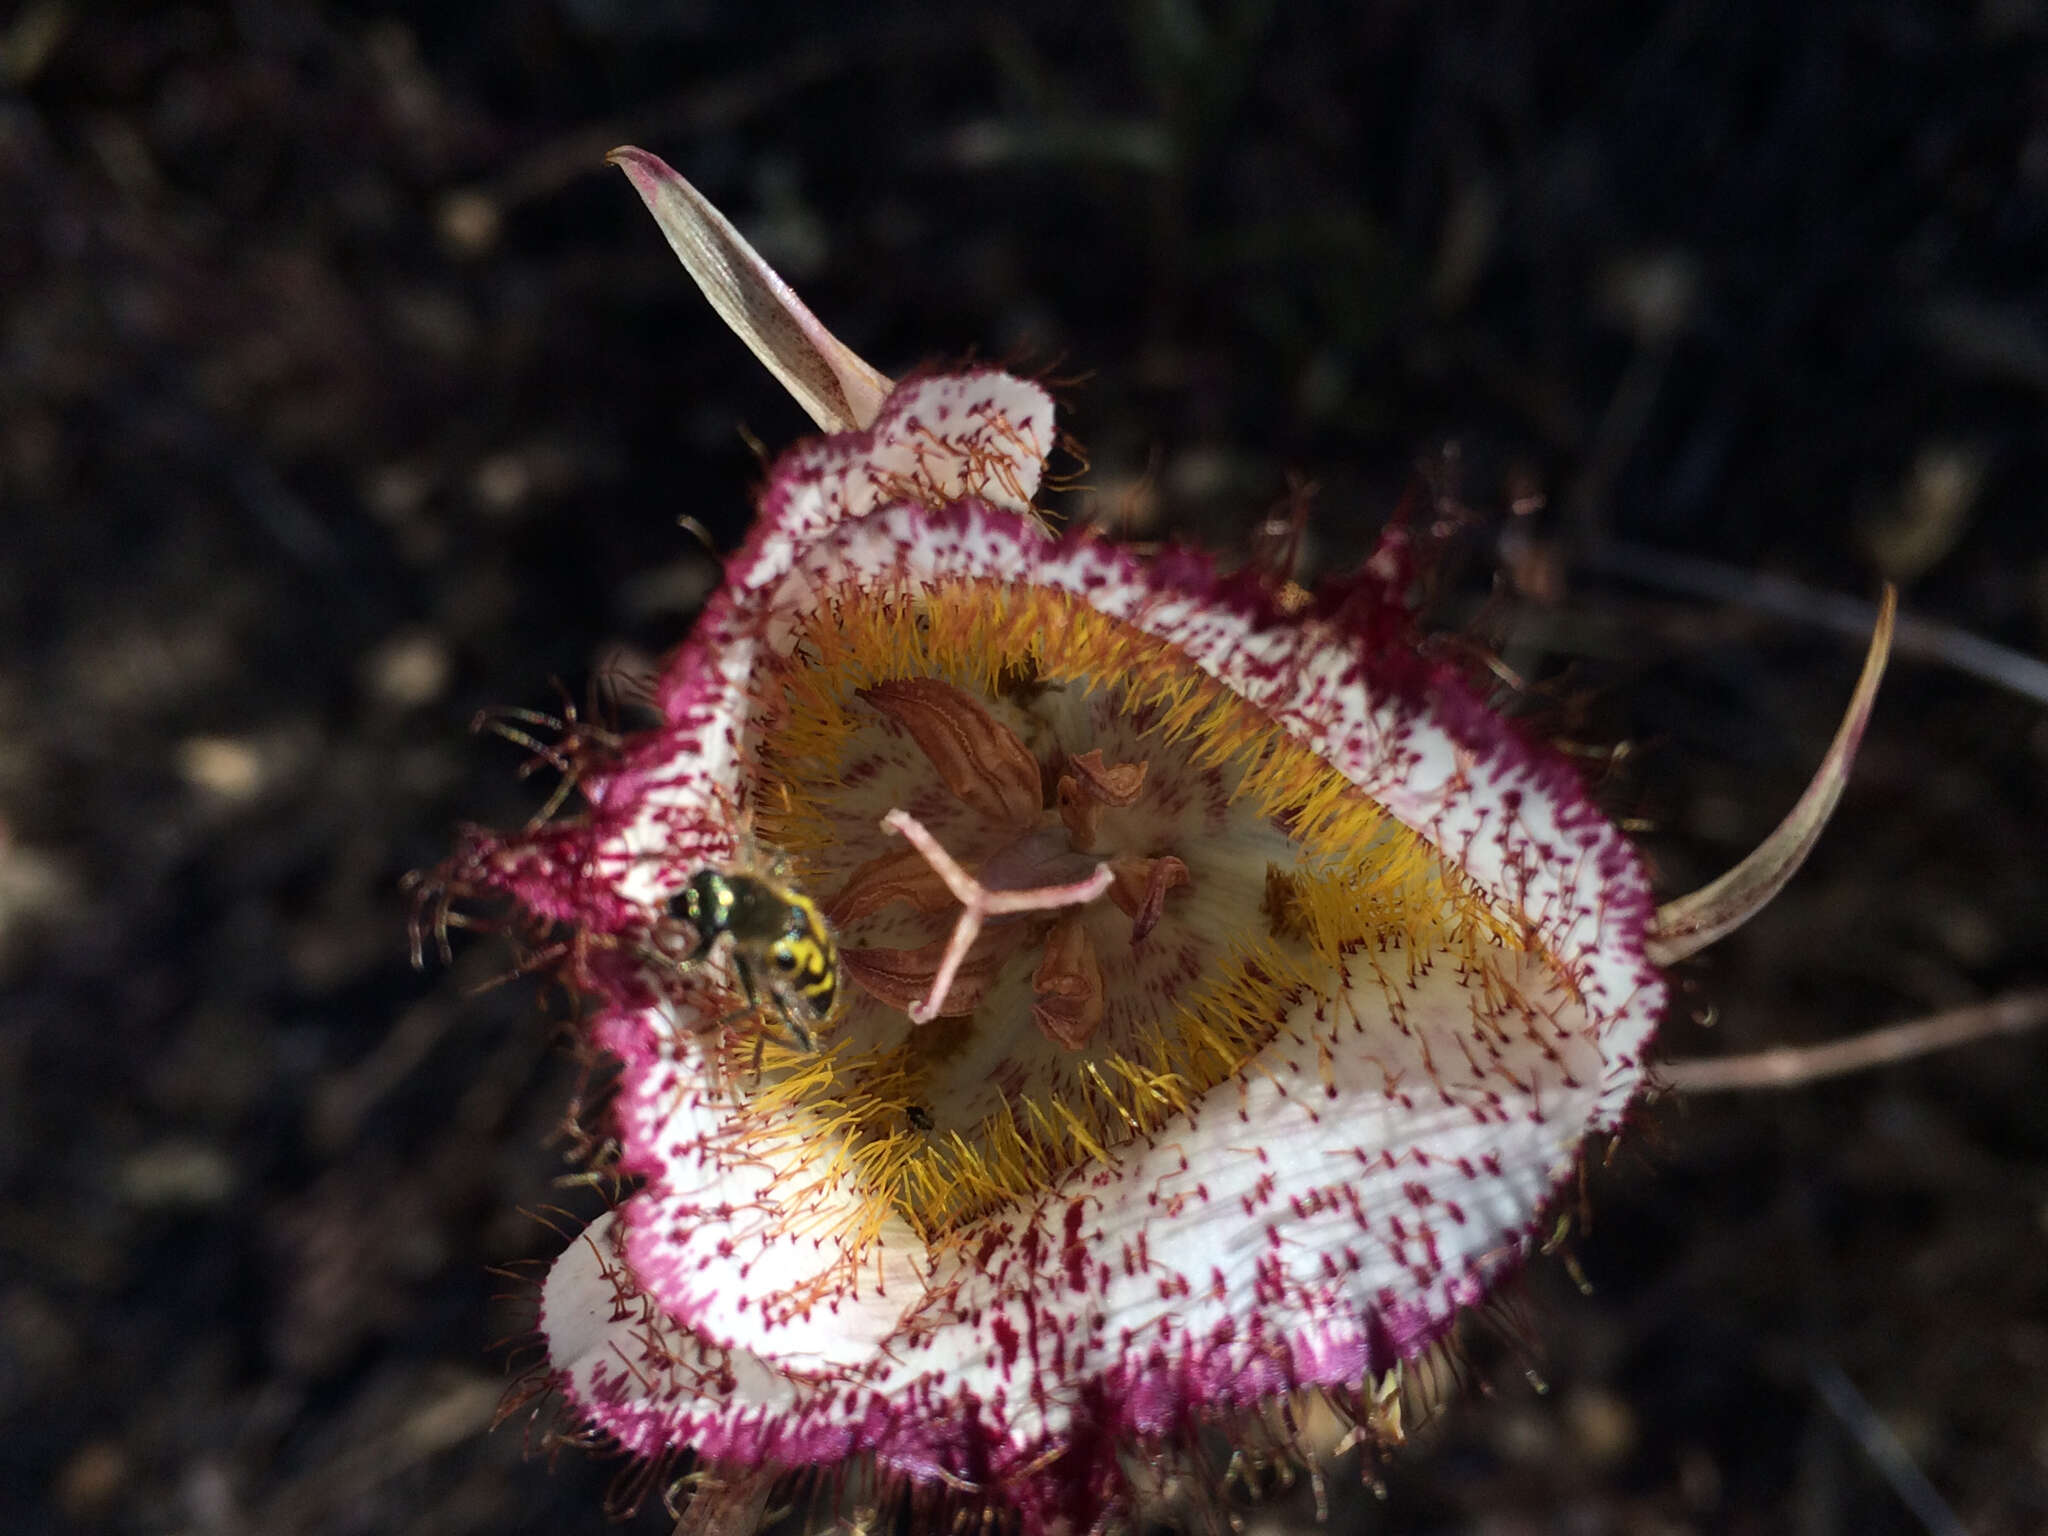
<point x="790" y="1009"/>
<point x="800" y="1032"/>
<point x="679" y="965"/>
<point x="745" y="973"/>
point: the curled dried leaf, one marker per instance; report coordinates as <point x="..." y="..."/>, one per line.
<point x="1088" y="787"/>
<point x="1112" y="784"/>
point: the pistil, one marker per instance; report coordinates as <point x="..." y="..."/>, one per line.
<point x="978" y="903"/>
<point x="989" y="770"/>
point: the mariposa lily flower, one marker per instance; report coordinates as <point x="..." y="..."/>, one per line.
<point x="1215" y="991"/>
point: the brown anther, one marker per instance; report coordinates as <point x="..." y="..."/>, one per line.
<point x="1082" y="816"/>
<point x="1067" y="989"/>
<point x="979" y="757"/>
<point x="902" y="978"/>
<point x="1088" y="786"/>
<point x="892" y="877"/>
<point x="1283" y="918"/>
<point x="1139" y="887"/>
<point x="1114" y="784"/>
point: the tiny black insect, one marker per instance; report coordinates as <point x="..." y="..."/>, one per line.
<point x="782" y="952"/>
<point x="920" y="1117"/>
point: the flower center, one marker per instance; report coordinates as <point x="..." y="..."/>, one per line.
<point x="1075" y="882"/>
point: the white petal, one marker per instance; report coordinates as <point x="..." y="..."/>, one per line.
<point x="648" y="1383"/>
<point x="1327" y="1218"/>
<point x="746" y="1245"/>
<point x="938" y="439"/>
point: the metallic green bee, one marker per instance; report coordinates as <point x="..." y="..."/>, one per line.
<point x="782" y="952"/>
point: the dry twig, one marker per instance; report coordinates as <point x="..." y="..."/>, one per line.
<point x="1767" y="592"/>
<point x="1794" y="1066"/>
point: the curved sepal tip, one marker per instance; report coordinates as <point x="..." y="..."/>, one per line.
<point x="838" y="389"/>
<point x="1690" y="923"/>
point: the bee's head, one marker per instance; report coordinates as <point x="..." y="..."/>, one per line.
<point x="705" y="904"/>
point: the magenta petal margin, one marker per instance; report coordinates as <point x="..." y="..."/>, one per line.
<point x="1382" y="1164"/>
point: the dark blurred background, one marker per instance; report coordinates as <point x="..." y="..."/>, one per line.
<point x="343" y="393"/>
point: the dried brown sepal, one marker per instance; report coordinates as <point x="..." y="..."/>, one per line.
<point x="728" y="1499"/>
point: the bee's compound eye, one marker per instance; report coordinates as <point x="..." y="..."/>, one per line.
<point x="786" y="959"/>
<point x="702" y="902"/>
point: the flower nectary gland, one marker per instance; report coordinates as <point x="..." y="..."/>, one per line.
<point x="1291" y="884"/>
